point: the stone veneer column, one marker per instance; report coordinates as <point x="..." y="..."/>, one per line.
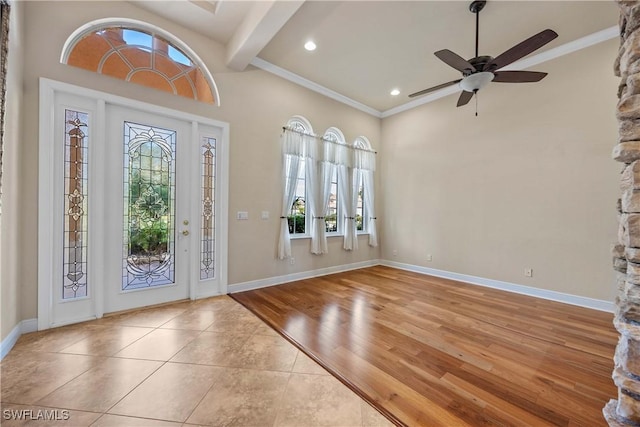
<point x="626" y="253"/>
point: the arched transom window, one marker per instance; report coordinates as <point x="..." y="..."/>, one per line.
<point x="143" y="55"/>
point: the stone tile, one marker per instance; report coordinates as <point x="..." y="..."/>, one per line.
<point x="305" y="365"/>
<point x="29" y="376"/>
<point x="161" y="344"/>
<point x="108" y="420"/>
<point x="242" y="397"/>
<point x="101" y="387"/>
<point x="217" y="304"/>
<point x="265" y="329"/>
<point x="54" y="339"/>
<point x="107" y="341"/>
<point x="268" y="353"/>
<point x="372" y="418"/>
<point x="318" y="400"/>
<point x="39" y="416"/>
<point x="211" y="348"/>
<point x="150" y="318"/>
<point x="236" y="321"/>
<point x="171" y="393"/>
<point x="197" y="320"/>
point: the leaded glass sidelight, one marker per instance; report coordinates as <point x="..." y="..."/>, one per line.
<point x="74" y="281"/>
<point x="149" y="208"/>
<point x="207" y="232"/>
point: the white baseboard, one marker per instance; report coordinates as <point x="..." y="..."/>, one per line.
<point x="593" y="303"/>
<point x="29" y="325"/>
<point x="278" y="280"/>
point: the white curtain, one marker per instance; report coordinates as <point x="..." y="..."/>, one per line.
<point x="345" y="191"/>
<point x="292" y="154"/>
<point x="321" y="158"/>
<point x="369" y="206"/>
<point x="365" y="163"/>
<point x="320" y="167"/>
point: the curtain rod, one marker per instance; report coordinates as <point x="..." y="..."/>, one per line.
<point x="285" y="128"/>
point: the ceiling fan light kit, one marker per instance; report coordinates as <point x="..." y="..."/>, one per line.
<point x="479" y="71"/>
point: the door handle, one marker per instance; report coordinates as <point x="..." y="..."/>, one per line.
<point x="185" y="232"/>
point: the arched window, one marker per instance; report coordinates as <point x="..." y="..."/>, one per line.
<point x="143" y="54"/>
<point x="297" y="216"/>
<point x="365" y="212"/>
<point x="333" y="219"/>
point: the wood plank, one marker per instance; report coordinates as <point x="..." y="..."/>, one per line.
<point x="428" y="351"/>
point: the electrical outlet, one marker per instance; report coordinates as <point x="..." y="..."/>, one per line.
<point x="395" y="252"/>
<point x="528" y="272"/>
<point x="429" y="257"/>
<point x="292" y="260"/>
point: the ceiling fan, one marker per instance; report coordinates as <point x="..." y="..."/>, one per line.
<point x="479" y="71"/>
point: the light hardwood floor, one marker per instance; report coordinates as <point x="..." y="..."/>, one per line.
<point x="434" y="352"/>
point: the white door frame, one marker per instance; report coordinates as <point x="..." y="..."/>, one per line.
<point x="48" y="185"/>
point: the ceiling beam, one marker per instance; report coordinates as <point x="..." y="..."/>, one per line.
<point x="263" y="21"/>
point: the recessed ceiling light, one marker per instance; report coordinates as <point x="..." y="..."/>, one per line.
<point x="395" y="92"/>
<point x="310" y="45"/>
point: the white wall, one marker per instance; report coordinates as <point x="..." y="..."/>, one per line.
<point x="529" y="183"/>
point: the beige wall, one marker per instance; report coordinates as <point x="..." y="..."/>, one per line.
<point x="10" y="276"/>
<point x="528" y="184"/>
<point x="255" y="103"/>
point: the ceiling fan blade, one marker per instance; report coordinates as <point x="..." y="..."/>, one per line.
<point x="454" y="60"/>
<point x="521" y="50"/>
<point x="464" y="99"/>
<point x="432" y="89"/>
<point x="518" y="76"/>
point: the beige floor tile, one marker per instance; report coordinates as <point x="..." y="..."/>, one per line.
<point x="103" y="386"/>
<point x="40" y="416"/>
<point x="108" y="420"/>
<point x="305" y="365"/>
<point x="107" y="341"/>
<point x="29" y="376"/>
<point x="171" y="393"/>
<point x="237" y="321"/>
<point x="265" y="329"/>
<point x="197" y="320"/>
<point x="161" y="344"/>
<point x="242" y="397"/>
<point x="211" y="348"/>
<point x="54" y="339"/>
<point x="318" y="400"/>
<point x="150" y="318"/>
<point x="373" y="418"/>
<point x="218" y="304"/>
<point x="267" y="352"/>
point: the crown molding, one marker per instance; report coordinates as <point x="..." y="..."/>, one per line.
<point x="548" y="55"/>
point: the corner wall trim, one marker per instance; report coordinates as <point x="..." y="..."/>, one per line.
<point x="29" y="325"/>
<point x="592" y="303"/>
<point x="279" y="280"/>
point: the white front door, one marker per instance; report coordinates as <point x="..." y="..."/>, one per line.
<point x="132" y="199"/>
<point x="147" y="215"/>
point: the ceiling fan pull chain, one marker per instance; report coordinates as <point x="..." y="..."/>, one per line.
<point x="476" y="94"/>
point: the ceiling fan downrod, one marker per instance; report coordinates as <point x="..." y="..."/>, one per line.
<point x="475" y="7"/>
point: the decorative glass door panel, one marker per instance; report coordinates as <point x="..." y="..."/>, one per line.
<point x="207" y="232"/>
<point x="76" y="162"/>
<point x="149" y="206"/>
